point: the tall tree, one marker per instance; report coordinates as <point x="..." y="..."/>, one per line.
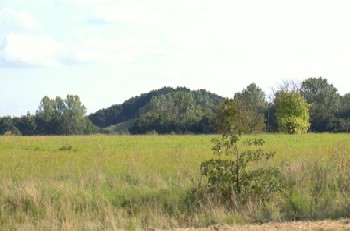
<point x="254" y="97"/>
<point x="26" y="124"/>
<point x="237" y="117"/>
<point x="73" y="115"/>
<point x="46" y="118"/>
<point x="292" y="113"/>
<point x="180" y="111"/>
<point x="325" y="103"/>
<point x="345" y="106"/>
<point x="7" y="125"/>
<point x="62" y="116"/>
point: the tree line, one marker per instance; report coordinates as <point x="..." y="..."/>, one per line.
<point x="314" y="105"/>
<point x="54" y="117"/>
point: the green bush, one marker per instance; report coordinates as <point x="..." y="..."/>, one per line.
<point x="230" y="179"/>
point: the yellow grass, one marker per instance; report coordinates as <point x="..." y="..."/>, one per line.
<point x="124" y="182"/>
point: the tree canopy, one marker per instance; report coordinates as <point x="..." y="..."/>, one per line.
<point x="181" y="110"/>
<point x="54" y="117"/>
<point x="292" y="113"/>
<point x="325" y="103"/>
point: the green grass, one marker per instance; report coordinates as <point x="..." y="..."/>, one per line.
<point x="129" y="182"/>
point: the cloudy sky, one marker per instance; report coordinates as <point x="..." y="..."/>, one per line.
<point x="107" y="51"/>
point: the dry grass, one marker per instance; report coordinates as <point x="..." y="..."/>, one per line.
<point x="110" y="183"/>
<point x="285" y="226"/>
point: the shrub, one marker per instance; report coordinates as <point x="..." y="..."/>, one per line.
<point x="231" y="180"/>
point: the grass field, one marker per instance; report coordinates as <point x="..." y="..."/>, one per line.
<point x="130" y="182"/>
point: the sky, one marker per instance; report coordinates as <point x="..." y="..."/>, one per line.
<point x="106" y="51"/>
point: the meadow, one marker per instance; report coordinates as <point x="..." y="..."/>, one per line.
<point x="135" y="182"/>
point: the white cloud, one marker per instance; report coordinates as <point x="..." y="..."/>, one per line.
<point x="113" y="50"/>
<point x="26" y="50"/>
<point x="85" y="2"/>
<point x="136" y="14"/>
<point x="12" y="20"/>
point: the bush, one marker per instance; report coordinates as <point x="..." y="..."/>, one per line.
<point x="232" y="181"/>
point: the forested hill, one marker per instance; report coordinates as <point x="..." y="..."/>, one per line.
<point x="163" y="110"/>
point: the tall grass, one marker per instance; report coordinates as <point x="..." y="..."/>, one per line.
<point x="129" y="182"/>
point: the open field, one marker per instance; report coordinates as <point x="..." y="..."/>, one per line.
<point x="129" y="182"/>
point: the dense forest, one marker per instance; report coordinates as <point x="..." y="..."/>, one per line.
<point x="183" y="111"/>
<point x="165" y="110"/>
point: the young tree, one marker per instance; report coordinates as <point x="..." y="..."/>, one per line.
<point x="292" y="113"/>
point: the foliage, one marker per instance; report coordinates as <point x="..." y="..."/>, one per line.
<point x="53" y="117"/>
<point x="26" y="124"/>
<point x="234" y="116"/>
<point x="183" y="111"/>
<point x="6" y="125"/>
<point x="325" y="103"/>
<point x="292" y="113"/>
<point x="254" y="97"/>
<point x="179" y="112"/>
<point x="58" y="117"/>
<point x="230" y="180"/>
<point x="128" y="110"/>
<point x="135" y="107"/>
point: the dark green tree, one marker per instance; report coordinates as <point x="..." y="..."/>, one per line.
<point x="237" y="117"/>
<point x="325" y="103"/>
<point x="26" y="124"/>
<point x="7" y="125"/>
<point x="179" y="112"/>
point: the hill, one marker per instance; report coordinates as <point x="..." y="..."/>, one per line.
<point x="164" y="110"/>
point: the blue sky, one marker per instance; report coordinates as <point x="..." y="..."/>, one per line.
<point x="107" y="51"/>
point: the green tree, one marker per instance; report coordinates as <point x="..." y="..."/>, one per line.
<point x="325" y="103"/>
<point x="73" y="115"/>
<point x="237" y="117"/>
<point x="46" y="118"/>
<point x="254" y="97"/>
<point x="229" y="178"/>
<point x="7" y="125"/>
<point x="292" y="113"/>
<point x="26" y="124"/>
<point x="180" y="111"/>
<point x="62" y="117"/>
<point x="345" y="106"/>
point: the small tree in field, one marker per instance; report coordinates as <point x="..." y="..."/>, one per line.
<point x="231" y="177"/>
<point x="292" y="113"/>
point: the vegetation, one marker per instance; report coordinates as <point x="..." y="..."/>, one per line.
<point x="184" y="111"/>
<point x="53" y="117"/>
<point x="125" y="182"/>
<point x="230" y="182"/>
<point x="179" y="112"/>
<point x="292" y="113"/>
<point x="165" y="110"/>
<point x="234" y="116"/>
<point x="325" y="104"/>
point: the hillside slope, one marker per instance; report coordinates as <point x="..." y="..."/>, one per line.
<point x="164" y="110"/>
